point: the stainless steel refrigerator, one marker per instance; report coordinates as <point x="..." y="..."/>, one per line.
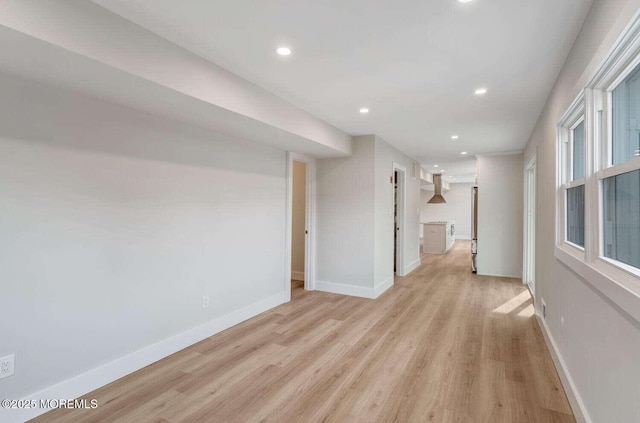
<point x="474" y="228"/>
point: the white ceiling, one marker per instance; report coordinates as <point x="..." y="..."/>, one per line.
<point x="414" y="63"/>
<point x="453" y="171"/>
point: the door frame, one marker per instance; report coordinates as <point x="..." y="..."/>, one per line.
<point x="310" y="205"/>
<point x="402" y="206"/>
<point x="529" y="238"/>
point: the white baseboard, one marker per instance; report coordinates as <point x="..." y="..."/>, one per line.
<point x="579" y="410"/>
<point x="411" y="267"/>
<point x="297" y="276"/>
<point x="498" y="275"/>
<point x="355" y="290"/>
<point x="344" y="289"/>
<point x="382" y="287"/>
<point x="109" y="372"/>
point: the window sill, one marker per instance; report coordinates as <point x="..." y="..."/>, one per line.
<point x="572" y="249"/>
<point x="615" y="284"/>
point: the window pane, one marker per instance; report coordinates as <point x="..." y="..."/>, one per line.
<point x="626" y="119"/>
<point x="622" y="218"/>
<point x="578" y="152"/>
<point x="575" y="215"/>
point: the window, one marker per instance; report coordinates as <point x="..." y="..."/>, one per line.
<point x="577" y="140"/>
<point x="626" y="119"/>
<point x="620" y="175"/>
<point x="572" y="174"/>
<point x="575" y="194"/>
<point x="575" y="215"/>
<point x="621" y="215"/>
<point x="598" y="185"/>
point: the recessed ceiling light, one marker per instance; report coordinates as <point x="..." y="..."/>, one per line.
<point x="454" y="137"/>
<point x="435" y="165"/>
<point x="283" y="51"/>
<point x="364" y="110"/>
<point x="464" y="153"/>
<point x="465" y="1"/>
<point x="481" y="91"/>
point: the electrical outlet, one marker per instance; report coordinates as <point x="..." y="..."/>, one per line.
<point x="562" y="325"/>
<point x="205" y="301"/>
<point x="544" y="308"/>
<point x="7" y="366"/>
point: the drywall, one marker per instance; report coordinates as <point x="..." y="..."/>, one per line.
<point x="599" y="342"/>
<point x="355" y="219"/>
<point x="500" y="208"/>
<point x="457" y="208"/>
<point x="114" y="225"/>
<point x="345" y="217"/>
<point x="298" y="218"/>
<point x="385" y="157"/>
<point x="107" y="43"/>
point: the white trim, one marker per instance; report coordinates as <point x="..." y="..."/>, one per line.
<point x="569" y="120"/>
<point x="287" y="228"/>
<point x="310" y="226"/>
<point x="574" y="183"/>
<point x="382" y="287"/>
<point x="462" y="237"/>
<point x="310" y="243"/>
<point x="297" y="275"/>
<point x="529" y="238"/>
<point x="613" y="288"/>
<point x="344" y="289"/>
<point x="412" y="266"/>
<point x="618" y="282"/>
<point x="577" y="405"/>
<point x="624" y="167"/>
<point x="399" y="234"/>
<point x="496" y="275"/>
<point x="621" y="58"/>
<point x="97" y="377"/>
<point x="355" y="290"/>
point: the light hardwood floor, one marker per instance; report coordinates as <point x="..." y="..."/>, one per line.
<point x="442" y="345"/>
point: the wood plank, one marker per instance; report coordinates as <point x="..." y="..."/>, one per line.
<point x="441" y="345"/>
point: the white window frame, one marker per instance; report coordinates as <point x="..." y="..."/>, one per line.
<point x="570" y="120"/>
<point x="617" y="281"/>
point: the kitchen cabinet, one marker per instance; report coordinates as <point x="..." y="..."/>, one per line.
<point x="438" y="237"/>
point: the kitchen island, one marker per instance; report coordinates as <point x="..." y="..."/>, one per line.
<point x="438" y="237"/>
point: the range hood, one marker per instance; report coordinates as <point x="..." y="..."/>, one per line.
<point x="437" y="197"/>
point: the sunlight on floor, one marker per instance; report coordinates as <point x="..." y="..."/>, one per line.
<point x="527" y="312"/>
<point x="513" y="303"/>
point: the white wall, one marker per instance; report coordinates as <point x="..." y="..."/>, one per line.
<point x="115" y="223"/>
<point x="386" y="155"/>
<point x="298" y="219"/>
<point x="124" y="58"/>
<point x="457" y="208"/>
<point x="500" y="208"/>
<point x="355" y="219"/>
<point x="345" y="217"/>
<point x="599" y="343"/>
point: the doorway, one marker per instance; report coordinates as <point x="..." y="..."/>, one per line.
<point x="299" y="254"/>
<point x="395" y="221"/>
<point x="529" y="250"/>
<point x="399" y="184"/>
<point x="298" y="226"/>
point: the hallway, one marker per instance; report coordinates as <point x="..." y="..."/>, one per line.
<point x="442" y="345"/>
